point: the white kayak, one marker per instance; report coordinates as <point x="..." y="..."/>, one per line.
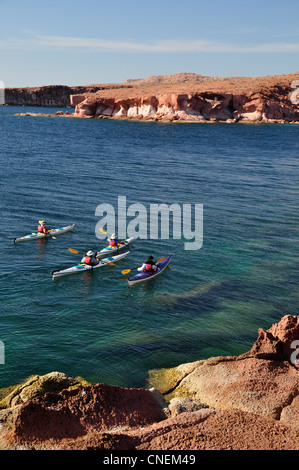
<point x="53" y="233"/>
<point x="114" y="249"/>
<point x="79" y="268"/>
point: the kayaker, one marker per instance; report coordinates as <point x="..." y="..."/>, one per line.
<point x="90" y="259"/>
<point x="113" y="241"/>
<point x="42" y="227"/>
<point x="149" y="266"/>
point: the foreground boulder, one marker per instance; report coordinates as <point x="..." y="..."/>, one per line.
<point x="79" y="412"/>
<point x="263" y="387"/>
<point x="264" y="381"/>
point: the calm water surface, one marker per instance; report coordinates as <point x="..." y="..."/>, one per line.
<point x="209" y="302"/>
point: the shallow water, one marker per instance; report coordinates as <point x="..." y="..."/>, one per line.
<point x="208" y="302"/>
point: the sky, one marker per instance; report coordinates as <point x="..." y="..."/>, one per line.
<point x="63" y="42"/>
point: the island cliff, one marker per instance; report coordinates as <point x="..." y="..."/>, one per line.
<point x="181" y="97"/>
<point x="246" y="402"/>
<point x="51" y="95"/>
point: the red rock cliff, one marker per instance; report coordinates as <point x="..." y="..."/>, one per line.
<point x="190" y="97"/>
<point x="49" y="96"/>
<point x="179" y="97"/>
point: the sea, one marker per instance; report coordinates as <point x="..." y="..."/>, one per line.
<point x="208" y="302"/>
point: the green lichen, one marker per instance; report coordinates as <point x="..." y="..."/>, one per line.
<point x="36" y="386"/>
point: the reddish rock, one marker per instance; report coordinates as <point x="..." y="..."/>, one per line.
<point x="225" y="430"/>
<point x="189" y="98"/>
<point x="263" y="381"/>
<point x="76" y="99"/>
<point x="186" y="97"/>
<point x="279" y="342"/>
<point x="74" y="413"/>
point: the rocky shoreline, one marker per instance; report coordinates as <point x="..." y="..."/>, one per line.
<point x="246" y="402"/>
<point x="180" y="97"/>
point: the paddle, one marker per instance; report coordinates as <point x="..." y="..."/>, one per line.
<point x="51" y="236"/>
<point x="72" y="250"/>
<point x="126" y="271"/>
<point x="48" y="233"/>
<point x="102" y="230"/>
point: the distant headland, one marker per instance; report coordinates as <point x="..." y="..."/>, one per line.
<point x="185" y="97"/>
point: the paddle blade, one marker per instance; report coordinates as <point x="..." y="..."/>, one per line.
<point x="102" y="230"/>
<point x="126" y="271"/>
<point x="73" y="251"/>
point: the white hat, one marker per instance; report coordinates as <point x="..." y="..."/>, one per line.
<point x="113" y="236"/>
<point x="89" y="253"/>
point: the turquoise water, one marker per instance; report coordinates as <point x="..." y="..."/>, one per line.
<point x="208" y="302"/>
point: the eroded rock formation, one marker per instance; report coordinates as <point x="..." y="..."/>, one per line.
<point x="179" y="97"/>
<point x="51" y="95"/>
<point x="187" y="97"/>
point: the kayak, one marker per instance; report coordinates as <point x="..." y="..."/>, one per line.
<point x="79" y="268"/>
<point x="143" y="276"/>
<point x="114" y="249"/>
<point x="53" y="233"/>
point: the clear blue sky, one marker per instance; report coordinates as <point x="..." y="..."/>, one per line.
<point x="94" y="41"/>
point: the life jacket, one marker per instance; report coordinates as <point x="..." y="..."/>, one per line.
<point x="113" y="243"/>
<point x="41" y="229"/>
<point x="87" y="259"/>
<point x="149" y="268"/>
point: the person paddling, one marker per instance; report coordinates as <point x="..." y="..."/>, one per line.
<point x="113" y="241"/>
<point x="149" y="266"/>
<point x="42" y="227"/>
<point x="90" y="259"/>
